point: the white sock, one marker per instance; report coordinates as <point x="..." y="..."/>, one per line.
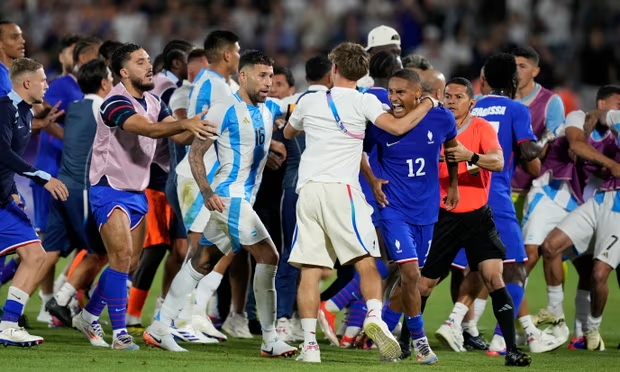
<point x="116" y="332"/>
<point x="375" y="307"/>
<point x="133" y="320"/>
<point x="331" y="306"/>
<point x="186" y="313"/>
<point x="479" y="306"/>
<point x="45" y="297"/>
<point x="64" y="294"/>
<point x="62" y="278"/>
<point x="555" y="297"/>
<point x="593" y="323"/>
<point x="582" y="310"/>
<point x="309" y="327"/>
<point x="352" y="332"/>
<point x="183" y="284"/>
<point x="19" y="296"/>
<point x="528" y="326"/>
<point x="266" y="297"/>
<point x="212" y="306"/>
<point x="471" y="328"/>
<point x="206" y="288"/>
<point x="90" y="318"/>
<point x="458" y="313"/>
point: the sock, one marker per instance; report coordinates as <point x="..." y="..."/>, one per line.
<point x="416" y="326"/>
<point x="137" y="299"/>
<point x="265" y="294"/>
<point x="345" y="296"/>
<point x="555" y="297"/>
<point x="458" y="313"/>
<point x="516" y="294"/>
<point x="116" y="295"/>
<point x="352" y="332"/>
<point x="60" y="280"/>
<point x="64" y="294"/>
<point x="593" y="324"/>
<point x="357" y="314"/>
<point x="8" y="272"/>
<point x="504" y="310"/>
<point x="185" y="281"/>
<point x="206" y="288"/>
<point x="529" y="327"/>
<point x="471" y="328"/>
<point x="423" y="302"/>
<point x="479" y="306"/>
<point x="390" y="317"/>
<point x="97" y="301"/>
<point x="186" y="314"/>
<point x="582" y="310"/>
<point x="13" y="308"/>
<point x="76" y="262"/>
<point x="308" y="325"/>
<point x="45" y="297"/>
<point x="374" y="307"/>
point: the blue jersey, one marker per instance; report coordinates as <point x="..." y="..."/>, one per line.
<point x="512" y="122"/>
<point x="411" y="165"/>
<point x="5" y="81"/>
<point x="65" y="90"/>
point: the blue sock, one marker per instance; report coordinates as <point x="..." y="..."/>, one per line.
<point x="357" y="314"/>
<point x="383" y="270"/>
<point x="390" y="317"/>
<point x="2" y="263"/>
<point x="97" y="301"/>
<point x="416" y="326"/>
<point x="350" y="293"/>
<point x="116" y="295"/>
<point x="517" y="293"/>
<point x="8" y="272"/>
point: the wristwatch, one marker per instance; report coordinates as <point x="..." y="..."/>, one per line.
<point x="474" y="158"/>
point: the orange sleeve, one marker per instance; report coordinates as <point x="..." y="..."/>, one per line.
<point x="488" y="136"/>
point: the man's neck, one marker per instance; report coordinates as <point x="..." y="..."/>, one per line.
<point x="340" y="82"/>
<point x="462" y="120"/>
<point x="381" y="83"/>
<point x="244" y="96"/>
<point x="500" y="92"/>
<point x="6" y="60"/>
<point x="219" y="69"/>
<point x="136" y="93"/>
<point x="23" y="96"/>
<point x="526" y="90"/>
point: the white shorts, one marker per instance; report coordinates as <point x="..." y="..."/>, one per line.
<point x="541" y="215"/>
<point x="333" y="222"/>
<point x="195" y="214"/>
<point x="595" y="221"/>
<point x="237" y="226"/>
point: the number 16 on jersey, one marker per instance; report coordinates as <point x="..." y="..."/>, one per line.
<point x="416" y="167"/>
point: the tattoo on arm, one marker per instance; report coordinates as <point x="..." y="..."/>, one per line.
<point x="196" y="161"/>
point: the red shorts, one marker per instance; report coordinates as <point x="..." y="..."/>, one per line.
<point x="158" y="219"/>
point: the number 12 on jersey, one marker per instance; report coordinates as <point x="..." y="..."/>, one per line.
<point x="416" y="167"/>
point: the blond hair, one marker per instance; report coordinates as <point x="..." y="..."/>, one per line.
<point x="351" y="59"/>
<point x="21" y="66"/>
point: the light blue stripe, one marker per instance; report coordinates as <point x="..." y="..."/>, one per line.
<point x="552" y="188"/>
<point x="357" y="233"/>
<point x="616" y="207"/>
<point x="234" y="215"/>
<point x="555" y="114"/>
<point x="231" y="122"/>
<point x="294" y="238"/>
<point x="204" y="97"/>
<point x="258" y="156"/>
<point x="599" y="197"/>
<point x="213" y="171"/>
<point x="572" y="204"/>
<point x="204" y="241"/>
<point x="531" y="207"/>
<point x="192" y="213"/>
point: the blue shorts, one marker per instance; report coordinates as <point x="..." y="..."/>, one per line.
<point x="406" y="242"/>
<point x="460" y="261"/>
<point x="42" y="199"/>
<point x="104" y="200"/>
<point x="15" y="229"/>
<point x="511" y="235"/>
<point x="71" y="225"/>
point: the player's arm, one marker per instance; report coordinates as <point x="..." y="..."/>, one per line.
<point x="609" y="118"/>
<point x="295" y="123"/>
<point x="394" y="126"/>
<point x="529" y="147"/>
<point x="196" y="154"/>
<point x="576" y="137"/>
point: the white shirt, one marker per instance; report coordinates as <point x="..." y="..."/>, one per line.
<point x="180" y="97"/>
<point x="331" y="156"/>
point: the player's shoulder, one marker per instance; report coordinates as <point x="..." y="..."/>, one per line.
<point x="115" y="100"/>
<point x="154" y="96"/>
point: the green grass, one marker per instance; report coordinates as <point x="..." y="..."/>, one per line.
<point x="67" y="350"/>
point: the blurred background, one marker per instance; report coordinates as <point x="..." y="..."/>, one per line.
<point x="578" y="40"/>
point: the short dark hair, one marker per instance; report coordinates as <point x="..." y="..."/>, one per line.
<point x="254" y="57"/>
<point x="317" y="67"/>
<point x="463" y="82"/>
<point x="351" y="59"/>
<point x="408" y="75"/>
<point x="500" y="71"/>
<point x="158" y="63"/>
<point x="121" y="56"/>
<point x="197" y="53"/>
<point x="417" y="61"/>
<point x="84" y="45"/>
<point x="528" y="53"/>
<point x="607" y="91"/>
<point x="280" y="70"/>
<point x="383" y="64"/>
<point x="5" y="22"/>
<point x="216" y="42"/>
<point x="182" y="45"/>
<point x="171" y="56"/>
<point x="108" y="47"/>
<point x="90" y="75"/>
<point x="68" y="40"/>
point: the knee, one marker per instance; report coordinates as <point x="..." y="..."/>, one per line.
<point x="33" y="255"/>
<point x="409" y="274"/>
<point x="425" y="286"/>
<point x="550" y="247"/>
<point x="202" y="261"/>
<point x="493" y="281"/>
<point x="600" y="274"/>
<point x="266" y="253"/>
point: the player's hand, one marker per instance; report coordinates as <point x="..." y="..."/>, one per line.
<point x="18" y="200"/>
<point x="201" y="129"/>
<point x="279" y="148"/>
<point x="279" y="124"/>
<point x="442" y="157"/>
<point x="274" y="161"/>
<point x="57" y="189"/>
<point x="615" y="170"/>
<point x="547" y="134"/>
<point x="452" y="199"/>
<point x="457" y="154"/>
<point x="53" y="114"/>
<point x="377" y="185"/>
<point x="213" y="202"/>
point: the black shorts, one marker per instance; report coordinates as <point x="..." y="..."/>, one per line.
<point x="475" y="231"/>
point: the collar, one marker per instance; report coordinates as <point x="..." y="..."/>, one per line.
<point x="170" y="76"/>
<point x="93" y="97"/>
<point x="18" y="100"/>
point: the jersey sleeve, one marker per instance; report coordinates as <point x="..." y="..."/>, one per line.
<point x="179" y="100"/>
<point x="116" y="110"/>
<point x="488" y="137"/>
<point x="522" y="124"/>
<point x="164" y="111"/>
<point x="372" y="138"/>
<point x="297" y="117"/>
<point x="200" y="98"/>
<point x="575" y="119"/>
<point x="451" y="131"/>
<point x="220" y="115"/>
<point x="554" y="118"/>
<point x="613" y="120"/>
<point x="371" y="107"/>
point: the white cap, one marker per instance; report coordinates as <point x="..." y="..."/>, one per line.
<point x="382" y="35"/>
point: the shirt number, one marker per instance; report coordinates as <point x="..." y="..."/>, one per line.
<point x="495" y="125"/>
<point x="419" y="164"/>
<point x="259" y="136"/>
